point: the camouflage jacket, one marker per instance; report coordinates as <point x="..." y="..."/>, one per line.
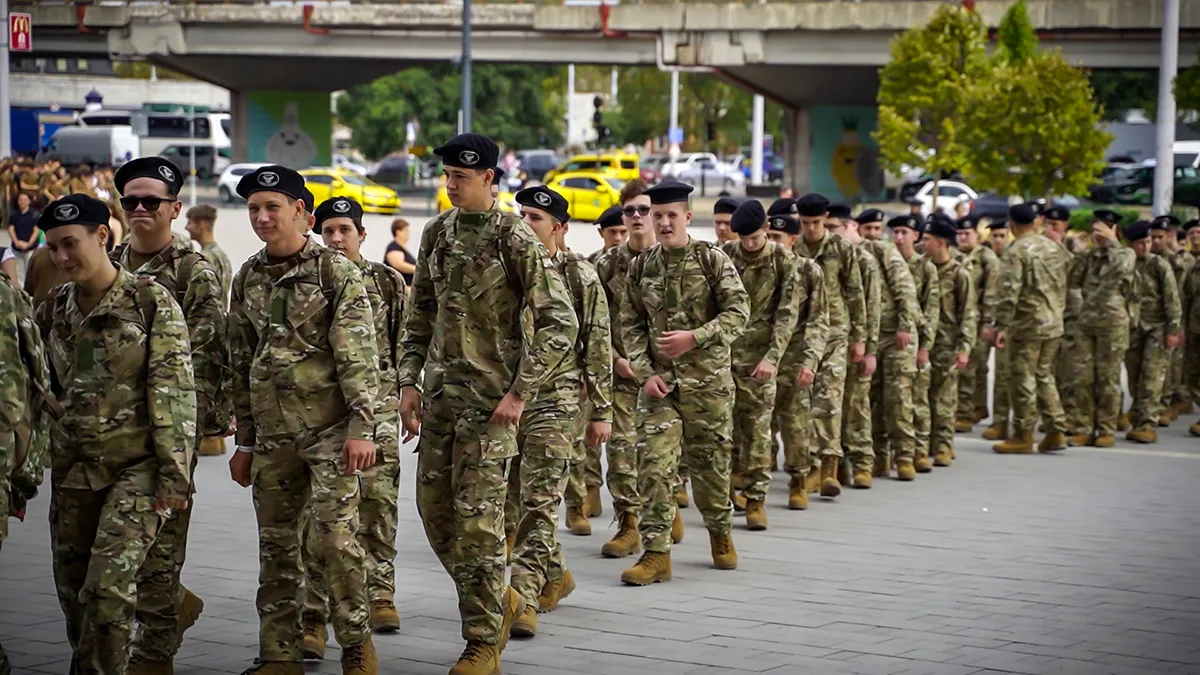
<point x="386" y="292"/>
<point x="203" y="302"/>
<point x="843" y="285"/>
<point x="925" y="278"/>
<point x="1159" y="306"/>
<point x="475" y="274"/>
<point x="984" y="267"/>
<point x="220" y="263"/>
<point x="1181" y="261"/>
<point x="958" y="318"/>
<point x="123" y="374"/>
<point x="807" y="345"/>
<point x="1074" y="304"/>
<point x="302" y="346"/>
<point x="769" y="277"/>
<point x="1190" y="297"/>
<point x="1108" y="283"/>
<point x="872" y="281"/>
<point x="669" y="290"/>
<point x="1032" y="288"/>
<point x="898" y="308"/>
<point x="612" y="267"/>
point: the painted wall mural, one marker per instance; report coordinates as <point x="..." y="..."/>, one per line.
<point x="292" y="128"/>
<point x="845" y="159"/>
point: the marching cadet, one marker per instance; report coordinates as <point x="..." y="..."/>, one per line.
<point x="905" y="233"/>
<point x="846" y="339"/>
<point x="339" y="224"/>
<point x="149" y="188"/>
<point x="1190" y="298"/>
<point x="613" y="232"/>
<point x="1066" y="369"/>
<point x="1107" y="278"/>
<point x="783" y="230"/>
<point x="984" y="267"/>
<point x="122" y="452"/>
<point x="1032" y="291"/>
<point x="998" y="237"/>
<point x="722" y="215"/>
<point x="1157" y="330"/>
<point x="768" y="273"/>
<point x="201" y="220"/>
<point x="478" y="269"/>
<point x="304" y="361"/>
<point x="891" y="387"/>
<point x="685" y="307"/>
<point x="1167" y="238"/>
<point x="785" y="207"/>
<point x="575" y="402"/>
<point x="623" y="448"/>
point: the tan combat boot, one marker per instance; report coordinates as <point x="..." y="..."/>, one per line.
<point x="211" y="446"/>
<point x="140" y="665"/>
<point x="1053" y="442"/>
<point x="384" y="617"/>
<point x="830" y="485"/>
<point x="723" y="553"/>
<point x="360" y="659"/>
<point x="905" y="471"/>
<point x="276" y="668"/>
<point x="677" y="528"/>
<point x="922" y="464"/>
<point x="774" y="461"/>
<point x="797" y="495"/>
<point x="963" y="425"/>
<point x="862" y="480"/>
<point x="555" y="592"/>
<point x="1105" y="441"/>
<point x="997" y="432"/>
<point x="1184" y="408"/>
<point x="190" y="609"/>
<point x="1123" y="422"/>
<point x="681" y="498"/>
<point x="979" y="415"/>
<point x="1194" y="429"/>
<point x="943" y="458"/>
<point x="1078" y="440"/>
<point x="812" y="481"/>
<point x="1168" y="415"/>
<point x="737" y="481"/>
<point x="514" y="607"/>
<point x="315" y="637"/>
<point x="626" y="541"/>
<point x="651" y="568"/>
<point x="592" y="508"/>
<point x="1021" y="443"/>
<point x="756" y="516"/>
<point x="526" y="625"/>
<point x="479" y="658"/>
<point x="739" y="501"/>
<point x="883" y="465"/>
<point x="1143" y="435"/>
<point x="577" y="523"/>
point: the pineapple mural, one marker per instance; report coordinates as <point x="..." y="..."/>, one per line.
<point x="845" y="159"/>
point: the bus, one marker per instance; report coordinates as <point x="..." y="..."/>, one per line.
<point x="161" y="125"/>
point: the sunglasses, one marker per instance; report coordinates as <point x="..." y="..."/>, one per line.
<point x="149" y="203"/>
<point x="630" y="211"/>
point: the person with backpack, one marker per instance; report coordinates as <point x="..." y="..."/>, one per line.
<point x="149" y="189"/>
<point x="119" y="350"/>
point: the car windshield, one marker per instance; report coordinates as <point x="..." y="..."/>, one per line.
<point x="1116" y="174"/>
<point x="615" y="184"/>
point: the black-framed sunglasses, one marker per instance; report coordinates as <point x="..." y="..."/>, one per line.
<point x="630" y="211"/>
<point x="151" y="204"/>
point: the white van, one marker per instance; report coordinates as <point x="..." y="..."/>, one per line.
<point x="72" y="146"/>
<point x="1187" y="153"/>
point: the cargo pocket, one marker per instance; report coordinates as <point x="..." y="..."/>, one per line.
<point x="498" y="442"/>
<point x="308" y="304"/>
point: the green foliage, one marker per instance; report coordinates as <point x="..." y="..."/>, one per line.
<point x="1119" y="91"/>
<point x="1187" y="89"/>
<point x="1082" y="219"/>
<point x="1018" y="40"/>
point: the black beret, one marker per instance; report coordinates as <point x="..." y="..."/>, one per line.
<point x="76" y="209"/>
<point x="839" y="211"/>
<point x="1181" y="235"/>
<point x="310" y="202"/>
<point x="1191" y="223"/>
<point x="870" y="216"/>
<point x="725" y="204"/>
<point x="911" y="222"/>
<point x="1163" y="222"/>
<point x="966" y="223"/>
<point x="938" y="216"/>
<point x="783" y="207"/>
<point x="1000" y="224"/>
<point x="542" y="197"/>
<point x="669" y="192"/>
<point x="499" y="174"/>
<point x="812" y="204"/>
<point x="274" y="178"/>
<point x="748" y="218"/>
<point x="1057" y="213"/>
<point x="338" y="207"/>
<point x="913" y="201"/>
<point x="469" y="151"/>
<point x="785" y="225"/>
<point x="610" y="218"/>
<point x="1137" y="231"/>
<point x="1022" y="214"/>
<point x="943" y="228"/>
<point x="149" y="167"/>
<point x="1106" y="216"/>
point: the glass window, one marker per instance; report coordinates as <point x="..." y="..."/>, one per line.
<point x="352" y="179"/>
<point x="628" y="164"/>
<point x="319" y="179"/>
<point x="950" y="191"/>
<point x="243" y="170"/>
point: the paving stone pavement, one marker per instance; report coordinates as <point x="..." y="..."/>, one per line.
<point x="1084" y="563"/>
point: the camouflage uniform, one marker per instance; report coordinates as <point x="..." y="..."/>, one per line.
<point x="984" y="267"/>
<point x="124" y="376"/>
<point x="305" y="364"/>
<point x="203" y="301"/>
<point x="220" y="263"/>
<point x="957" y="326"/>
<point x="1147" y="358"/>
<point x="475" y="274"/>
<point x="925" y="278"/>
<point x="379" y="503"/>
<point x="551" y="425"/>
<point x="677" y="289"/>
<point x="793" y="404"/>
<point x="856" y="400"/>
<point x="1032" y="293"/>
<point x="1174" y="392"/>
<point x="770" y="278"/>
<point x="891" y="386"/>
<point x="847" y="325"/>
<point x="1109" y="285"/>
<point x="1067" y="371"/>
<point x="1190" y="297"/>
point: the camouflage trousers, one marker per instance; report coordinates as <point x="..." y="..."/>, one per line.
<point x="793" y="419"/>
<point x="695" y="424"/>
<point x="622" y="449"/>
<point x="462" y="483"/>
<point x="1100" y="383"/>
<point x="535" y="490"/>
<point x="753" y="443"/>
<point x="1191" y="367"/>
<point x="378" y="511"/>
<point x="892" y="394"/>
<point x="584" y="473"/>
<point x="973" y="382"/>
<point x="1173" y="391"/>
<point x="1067" y="373"/>
<point x="1031" y="386"/>
<point x="296" y="480"/>
<point x="1001" y="406"/>
<point x="8" y="452"/>
<point x="1147" y="361"/>
<point x="99" y="541"/>
<point x="922" y="424"/>
<point x="943" y="399"/>
<point x="827" y="394"/>
<point x="857" y="442"/>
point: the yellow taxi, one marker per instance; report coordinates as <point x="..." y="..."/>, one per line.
<point x="620" y="165"/>
<point x="588" y="194"/>
<point x="508" y="201"/>
<point x="329" y="183"/>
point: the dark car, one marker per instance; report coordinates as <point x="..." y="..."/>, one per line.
<point x="535" y="163"/>
<point x="912" y="187"/>
<point x="391" y="171"/>
<point x="989" y="205"/>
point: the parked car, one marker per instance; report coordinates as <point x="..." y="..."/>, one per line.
<point x="697" y="166"/>
<point x="619" y="165"/>
<point x="391" y="170"/>
<point x="950" y="193"/>
<point x="911" y="187"/>
<point x="227" y="183"/>
<point x="587" y="193"/>
<point x="1136" y="186"/>
<point x="331" y="182"/>
<point x="537" y="163"/>
<point x="343" y="162"/>
<point x="772" y="167"/>
<point x="652" y="165"/>
<point x="210" y="160"/>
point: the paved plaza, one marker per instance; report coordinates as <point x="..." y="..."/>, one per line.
<point x="1085" y="563"/>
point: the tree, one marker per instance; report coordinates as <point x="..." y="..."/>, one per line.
<point x="1187" y="89"/>
<point x="1018" y="40"/>
<point x="1119" y="91"/>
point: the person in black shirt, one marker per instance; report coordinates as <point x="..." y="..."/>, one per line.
<point x="23" y="231"/>
<point x="397" y="256"/>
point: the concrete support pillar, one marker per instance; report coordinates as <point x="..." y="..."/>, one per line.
<point x="799" y="150"/>
<point x="239" y="108"/>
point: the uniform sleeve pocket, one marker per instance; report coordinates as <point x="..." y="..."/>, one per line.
<point x="307" y="303"/>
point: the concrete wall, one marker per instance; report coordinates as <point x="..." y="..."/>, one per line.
<point x="68" y="91"/>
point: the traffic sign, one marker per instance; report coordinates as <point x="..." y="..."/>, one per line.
<point x="20" y="32"/>
<point x="675" y="135"/>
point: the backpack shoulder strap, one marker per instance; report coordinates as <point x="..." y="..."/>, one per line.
<point x="145" y="300"/>
<point x="325" y="275"/>
<point x="184" y="276"/>
<point x="708" y="265"/>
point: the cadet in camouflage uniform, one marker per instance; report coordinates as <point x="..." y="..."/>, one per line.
<point x="984" y="266"/>
<point x="1158" y="329"/>
<point x="924" y="274"/>
<point x="768" y="273"/>
<point x="998" y="239"/>
<point x="339" y="224"/>
<point x="1167" y="239"/>
<point x="723" y="210"/>
<point x="201" y="220"/>
<point x="119" y="352"/>
<point x="1190" y="300"/>
<point x="847" y="335"/>
<point x="612" y="231"/>
<point x="685" y="307"/>
<point x="783" y="227"/>
<point x="1067" y="366"/>
<point x="149" y="187"/>
<point x="622" y="449"/>
<point x="305" y="383"/>
<point x="1108" y="280"/>
<point x="478" y="269"/>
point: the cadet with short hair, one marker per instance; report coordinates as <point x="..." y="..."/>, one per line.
<point x="612" y="231"/>
<point x="984" y="267"/>
<point x="906" y="232"/>
<point x="1067" y="366"/>
<point x="1190" y="299"/>
<point x="722" y="216"/>
<point x="1167" y="238"/>
<point x="478" y="270"/>
<point x="305" y="385"/>
<point x="201" y="220"/>
<point x="998" y="237"/>
<point x="119" y="351"/>
<point x="685" y="307"/>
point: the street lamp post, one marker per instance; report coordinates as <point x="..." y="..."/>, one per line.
<point x="1164" y="172"/>
<point x="466" y="66"/>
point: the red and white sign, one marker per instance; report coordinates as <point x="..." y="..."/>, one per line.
<point x="20" y="32"/>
